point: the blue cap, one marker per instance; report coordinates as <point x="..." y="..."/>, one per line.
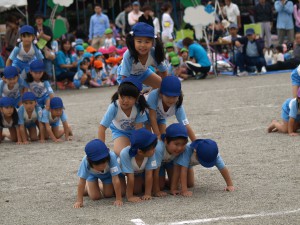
<point x="207" y="151"/>
<point x="6" y="102"/>
<point x="98" y="54"/>
<point x="37" y="66"/>
<point x="78" y="41"/>
<point x="179" y="44"/>
<point x="79" y="48"/>
<point x="233" y="25"/>
<point x="170" y="86"/>
<point x="250" y="31"/>
<point x="26" y="29"/>
<point x="28" y="96"/>
<point x="10" y="72"/>
<point x="136" y="3"/>
<point x="140" y="139"/>
<point x="176" y="130"/>
<point x="96" y="150"/>
<point x="143" y="30"/>
<point x="56" y="103"/>
<point x="134" y="81"/>
<point x="87" y="55"/>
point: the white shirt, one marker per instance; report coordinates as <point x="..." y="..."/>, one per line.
<point x="133" y="17"/>
<point x="232" y="12"/>
<point x="124" y="122"/>
<point x="167" y="24"/>
<point x="156" y="26"/>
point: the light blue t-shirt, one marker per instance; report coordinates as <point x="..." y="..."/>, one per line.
<point x="98" y="25"/>
<point x="162" y="155"/>
<point x="62" y="59"/>
<point x="115" y="116"/>
<point x="188" y="159"/>
<point x="19" y="54"/>
<point x="40" y="89"/>
<point x="23" y="116"/>
<point x="78" y="75"/>
<point x="155" y="102"/>
<point x="290" y="106"/>
<point x="198" y="52"/>
<point x="251" y="49"/>
<point x="15" y="92"/>
<point x="129" y="67"/>
<point x="47" y="118"/>
<point x="129" y="165"/>
<point x="112" y="169"/>
<point x="98" y="76"/>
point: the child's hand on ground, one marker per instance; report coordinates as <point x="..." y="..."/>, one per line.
<point x="186" y="193"/>
<point x="160" y="194"/>
<point x="146" y="197"/>
<point x="229" y="188"/>
<point x="58" y="140"/>
<point x="78" y="205"/>
<point x="68" y="139"/>
<point x="134" y="199"/>
<point x="19" y="142"/>
<point x="293" y="134"/>
<point x="174" y="192"/>
<point x="118" y="203"/>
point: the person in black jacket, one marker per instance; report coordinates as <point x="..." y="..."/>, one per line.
<point x="146" y="17"/>
<point x="252" y="54"/>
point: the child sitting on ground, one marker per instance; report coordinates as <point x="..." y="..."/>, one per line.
<point x="99" y="78"/>
<point x="83" y="76"/>
<point x="279" y="55"/>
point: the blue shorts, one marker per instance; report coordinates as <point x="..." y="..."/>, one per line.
<point x="164" y="167"/>
<point x="29" y="125"/>
<point x="159" y="121"/>
<point x="122" y="175"/>
<point x="17" y="101"/>
<point x="56" y="124"/>
<point x="42" y="100"/>
<point x="21" y="65"/>
<point x="116" y="133"/>
<point x="140" y="77"/>
<point x="105" y="179"/>
<point x="295" y="77"/>
<point x="77" y="83"/>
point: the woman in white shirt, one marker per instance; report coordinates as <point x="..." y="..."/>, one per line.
<point x="167" y="23"/>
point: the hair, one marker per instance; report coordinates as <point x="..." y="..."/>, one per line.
<point x="126" y="5"/>
<point x="128" y="89"/>
<point x="159" y="53"/>
<point x="64" y="41"/>
<point x="166" y="6"/>
<point x="97" y="5"/>
<point x="187" y="41"/>
<point x="101" y="161"/>
<point x="170" y="139"/>
<point x="146" y="7"/>
<point x="29" y="78"/>
<point x="149" y="147"/>
<point x="279" y="48"/>
<point x="180" y="100"/>
<point x="14" y="118"/>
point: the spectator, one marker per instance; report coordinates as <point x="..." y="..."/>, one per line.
<point x="155" y="24"/>
<point x="285" y="24"/>
<point x="290" y="63"/>
<point x="99" y="22"/>
<point x="252" y="54"/>
<point x="133" y="16"/>
<point x="11" y="35"/>
<point x="120" y="20"/>
<point x="232" y="12"/>
<point x="146" y="16"/>
<point x="297" y="16"/>
<point x="263" y="14"/>
<point x="167" y="23"/>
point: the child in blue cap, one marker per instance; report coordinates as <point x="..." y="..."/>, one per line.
<point x="9" y="120"/>
<point x="138" y="162"/>
<point x="30" y="116"/>
<point x="99" y="163"/>
<point x="51" y="119"/>
<point x="83" y="75"/>
<point x="164" y="103"/>
<point x="290" y="117"/>
<point x="78" y="55"/>
<point x="124" y="114"/>
<point x="141" y="54"/>
<point x="170" y="147"/>
<point x="38" y="83"/>
<point x="25" y="51"/>
<point x="201" y="151"/>
<point x="12" y="85"/>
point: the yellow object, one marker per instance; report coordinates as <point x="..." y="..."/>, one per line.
<point x="255" y="26"/>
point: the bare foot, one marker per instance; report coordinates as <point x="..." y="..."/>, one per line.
<point x="271" y="126"/>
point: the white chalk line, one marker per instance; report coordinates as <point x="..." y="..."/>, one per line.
<point x="232" y="131"/>
<point x="247" y="107"/>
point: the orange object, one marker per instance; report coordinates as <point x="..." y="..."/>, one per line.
<point x="91" y="49"/>
<point x="113" y="60"/>
<point x="98" y="64"/>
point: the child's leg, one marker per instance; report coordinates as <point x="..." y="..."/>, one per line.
<point x="278" y="126"/>
<point x="153" y="80"/>
<point x="295" y="90"/>
<point x="94" y="83"/>
<point x="138" y="184"/>
<point x="123" y="184"/>
<point x="120" y="143"/>
<point x="162" y="178"/>
<point x="108" y="190"/>
<point x="58" y="133"/>
<point x="93" y="190"/>
<point x="190" y="178"/>
<point x="13" y="134"/>
<point x="33" y="133"/>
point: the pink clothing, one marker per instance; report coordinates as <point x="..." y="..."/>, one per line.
<point x="297" y="15"/>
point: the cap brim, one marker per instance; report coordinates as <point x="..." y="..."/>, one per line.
<point x="207" y="165"/>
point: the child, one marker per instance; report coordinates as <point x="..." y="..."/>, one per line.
<point x="295" y="77"/>
<point x="290" y="117"/>
<point x="141" y="54"/>
<point x="79" y="53"/>
<point x="99" y="78"/>
<point x="112" y="68"/>
<point x="166" y="102"/>
<point x="99" y="163"/>
<point x="83" y="75"/>
<point x="278" y="57"/>
<point x="51" y="118"/>
<point x="109" y="39"/>
<point x="138" y="162"/>
<point x="30" y="116"/>
<point x="9" y="119"/>
<point x="25" y="51"/>
<point x="124" y="114"/>
<point x="37" y="82"/>
<point x="12" y="85"/>
<point x="200" y="151"/>
<point x="172" y="145"/>
<point x="175" y="70"/>
<point x="169" y="47"/>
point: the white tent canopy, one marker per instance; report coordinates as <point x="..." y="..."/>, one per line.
<point x="7" y="4"/>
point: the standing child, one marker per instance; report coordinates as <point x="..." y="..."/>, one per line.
<point x="113" y="67"/>
<point x="30" y="116"/>
<point x="51" y="119"/>
<point x="12" y="85"/>
<point x="141" y="54"/>
<point x="109" y="39"/>
<point x="9" y="120"/>
<point x="25" y="51"/>
<point x="200" y="151"/>
<point x="37" y="82"/>
<point x="99" y="163"/>
<point x="138" y="162"/>
<point x="124" y="114"/>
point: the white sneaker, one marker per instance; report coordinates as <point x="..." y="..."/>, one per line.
<point x="83" y="87"/>
<point x="242" y="74"/>
<point x="263" y="70"/>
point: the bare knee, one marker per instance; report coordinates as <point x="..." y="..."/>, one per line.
<point x="95" y="196"/>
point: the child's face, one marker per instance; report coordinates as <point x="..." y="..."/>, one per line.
<point x="67" y="46"/>
<point x="143" y="45"/>
<point x="126" y="102"/>
<point x="184" y="55"/>
<point x="56" y="112"/>
<point x="170" y="49"/>
<point x="80" y="53"/>
<point x="99" y="168"/>
<point x="169" y="100"/>
<point x="27" y="38"/>
<point x="29" y="105"/>
<point x="7" y="111"/>
<point x="108" y="36"/>
<point x="11" y="81"/>
<point x="85" y="65"/>
<point x="37" y="75"/>
<point x="251" y="37"/>
<point x="176" y="147"/>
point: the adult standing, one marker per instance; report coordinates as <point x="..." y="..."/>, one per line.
<point x="11" y="35"/>
<point x="121" y="18"/>
<point x="232" y="12"/>
<point x="99" y="22"/>
<point x="146" y="16"/>
<point x="297" y="16"/>
<point x="167" y="23"/>
<point x="285" y="24"/>
<point x="44" y="32"/>
<point x="263" y="14"/>
<point x="133" y="16"/>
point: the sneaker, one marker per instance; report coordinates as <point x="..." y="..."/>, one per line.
<point x="263" y="70"/>
<point x="60" y="85"/>
<point x="242" y="74"/>
<point x="83" y="87"/>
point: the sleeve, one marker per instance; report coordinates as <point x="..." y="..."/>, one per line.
<point x="289" y="7"/>
<point x="45" y="116"/>
<point x="48" y="87"/>
<point x="181" y="116"/>
<point x="126" y="64"/>
<point x="220" y="163"/>
<point x="63" y="116"/>
<point x="126" y="161"/>
<point x="191" y="52"/>
<point x="91" y="28"/>
<point x="118" y="20"/>
<point x="109" y="115"/>
<point x="293" y="109"/>
<point x="236" y="10"/>
<point x="162" y="67"/>
<point x="106" y="22"/>
<point x="184" y="158"/>
<point x="141" y="117"/>
<point x="14" y="53"/>
<point x="153" y="99"/>
<point x="114" y="165"/>
<point x="38" y="53"/>
<point x="159" y="152"/>
<point x="278" y="6"/>
<point x="83" y="171"/>
<point x="60" y="58"/>
<point x="151" y="163"/>
<point x="21" y="115"/>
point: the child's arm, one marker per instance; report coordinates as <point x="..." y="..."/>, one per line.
<point x="67" y="131"/>
<point x="80" y="192"/>
<point x="42" y="132"/>
<point x="50" y="133"/>
<point x="227" y="178"/>
<point x="291" y="125"/>
<point x="148" y="185"/>
<point x="117" y="187"/>
<point x="156" y="188"/>
<point x="191" y="133"/>
<point x="23" y="134"/>
<point x="183" y="178"/>
<point x="153" y="122"/>
<point x="175" y="179"/>
<point x="19" y="138"/>
<point x="8" y="62"/>
<point x="129" y="189"/>
<point x="139" y="126"/>
<point x="101" y="132"/>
